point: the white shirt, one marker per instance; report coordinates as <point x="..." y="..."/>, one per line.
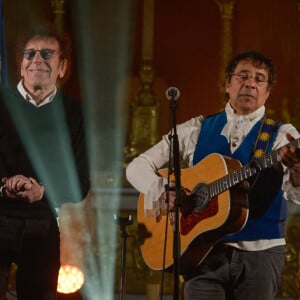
<point x="28" y="97"/>
<point x="141" y="172"/>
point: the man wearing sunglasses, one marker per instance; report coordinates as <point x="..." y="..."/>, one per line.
<point x="43" y="163"/>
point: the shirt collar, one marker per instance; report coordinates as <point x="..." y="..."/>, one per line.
<point x="28" y="97"/>
<point x="244" y="122"/>
<point x="231" y="115"/>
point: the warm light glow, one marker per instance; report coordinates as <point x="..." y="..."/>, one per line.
<point x="70" y="279"/>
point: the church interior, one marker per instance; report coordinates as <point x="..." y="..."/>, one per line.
<point x="126" y="54"/>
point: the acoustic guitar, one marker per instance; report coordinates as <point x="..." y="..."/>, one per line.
<point x="215" y="180"/>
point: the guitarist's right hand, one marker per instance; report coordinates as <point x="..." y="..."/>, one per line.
<point x="168" y="197"/>
<point x="187" y="205"/>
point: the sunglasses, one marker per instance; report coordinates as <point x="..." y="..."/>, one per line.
<point x="45" y="53"/>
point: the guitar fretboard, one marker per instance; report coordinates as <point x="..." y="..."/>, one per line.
<point x="256" y="165"/>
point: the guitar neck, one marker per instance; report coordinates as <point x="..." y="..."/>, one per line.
<point x="256" y="165"/>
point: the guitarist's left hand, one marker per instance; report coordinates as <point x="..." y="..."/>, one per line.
<point x="290" y="157"/>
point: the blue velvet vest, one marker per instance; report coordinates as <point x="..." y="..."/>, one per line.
<point x="267" y="207"/>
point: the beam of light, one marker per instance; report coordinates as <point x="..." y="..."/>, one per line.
<point x="102" y="32"/>
<point x="53" y="167"/>
<point x="52" y="171"/>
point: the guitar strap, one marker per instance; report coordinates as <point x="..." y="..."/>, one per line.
<point x="266" y="130"/>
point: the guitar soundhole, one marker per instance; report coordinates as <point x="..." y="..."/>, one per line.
<point x="202" y="196"/>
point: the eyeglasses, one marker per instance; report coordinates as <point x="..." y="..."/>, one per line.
<point x="258" y="78"/>
<point x="45" y="53"/>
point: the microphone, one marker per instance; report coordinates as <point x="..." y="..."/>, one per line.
<point x="172" y="93"/>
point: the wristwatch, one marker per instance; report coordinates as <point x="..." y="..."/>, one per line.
<point x="2" y="188"/>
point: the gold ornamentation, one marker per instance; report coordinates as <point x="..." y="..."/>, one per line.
<point x="259" y="153"/>
<point x="265" y="136"/>
<point x="226" y="9"/>
<point x="270" y="121"/>
<point x="144" y="125"/>
<point x="148" y="25"/>
<point x="58" y="11"/>
<point x="290" y="280"/>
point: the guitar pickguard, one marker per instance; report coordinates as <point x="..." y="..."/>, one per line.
<point x="189" y="222"/>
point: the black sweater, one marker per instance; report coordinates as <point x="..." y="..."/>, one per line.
<point x="46" y="143"/>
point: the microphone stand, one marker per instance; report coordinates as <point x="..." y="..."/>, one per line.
<point x="123" y="222"/>
<point x="177" y="175"/>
